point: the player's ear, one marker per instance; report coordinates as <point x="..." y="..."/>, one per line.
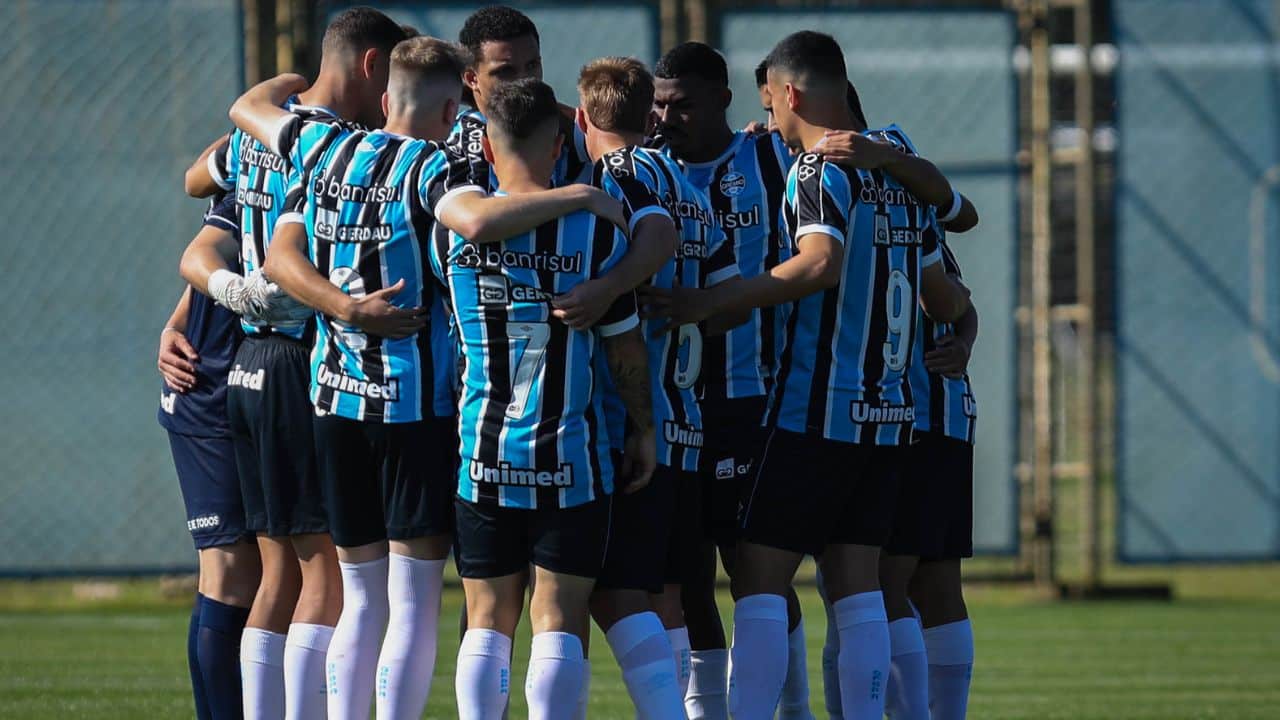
<point x="369" y="62"/>
<point x="726" y="98"/>
<point x="486" y="148"/>
<point x="793" y="97"/>
<point x="580" y="118"/>
<point x="471" y="79"/>
<point x="386" y="104"/>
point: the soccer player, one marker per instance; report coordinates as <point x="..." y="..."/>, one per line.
<point x="743" y="174"/>
<point x="536" y="473"/>
<point x="504" y="46"/>
<point x="268" y="401"/>
<point x="196" y="349"/>
<point x="841" y="405"/>
<point x="655" y="526"/>
<point x="382" y="376"/>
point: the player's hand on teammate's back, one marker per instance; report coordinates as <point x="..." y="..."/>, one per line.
<point x="639" y="459"/>
<point x="854" y="150"/>
<point x="374" y="314"/>
<point x="755" y="127"/>
<point x="950" y="356"/>
<point x="584" y="305"/>
<point x="177" y="361"/>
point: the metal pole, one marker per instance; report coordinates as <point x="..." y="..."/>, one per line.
<point x="1086" y="298"/>
<point x="1041" y="349"/>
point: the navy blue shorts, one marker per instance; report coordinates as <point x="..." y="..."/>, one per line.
<point x="210" y="489"/>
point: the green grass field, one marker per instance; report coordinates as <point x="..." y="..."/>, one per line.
<point x="118" y="651"/>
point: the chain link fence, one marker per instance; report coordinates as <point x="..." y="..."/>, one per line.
<point x="1198" y="301"/>
<point x="106" y="102"/>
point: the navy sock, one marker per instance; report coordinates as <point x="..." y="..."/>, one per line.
<point x="219" y="649"/>
<point x="193" y="662"/>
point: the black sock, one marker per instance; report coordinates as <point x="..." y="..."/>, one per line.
<point x="219" y="649"/>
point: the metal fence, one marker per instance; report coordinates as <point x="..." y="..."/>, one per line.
<point x="1198" y="301"/>
<point x="105" y="104"/>
<point x="116" y="96"/>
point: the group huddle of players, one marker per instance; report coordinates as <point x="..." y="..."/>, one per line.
<point x="585" y="350"/>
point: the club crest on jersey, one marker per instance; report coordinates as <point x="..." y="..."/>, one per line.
<point x="732" y="184"/>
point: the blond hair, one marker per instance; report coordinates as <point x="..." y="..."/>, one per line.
<point x="617" y="94"/>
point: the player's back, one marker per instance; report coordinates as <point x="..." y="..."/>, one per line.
<point x="843" y="373"/>
<point x="639" y="177"/>
<point x="369" y="203"/>
<point x="532" y="425"/>
<point x="260" y="179"/>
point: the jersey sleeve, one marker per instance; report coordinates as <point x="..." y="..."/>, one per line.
<point x="623" y="314"/>
<point x="295" y="199"/>
<point x="722" y="260"/>
<point x="638" y="201"/>
<point x="301" y="140"/>
<point x="222" y="213"/>
<point x="443" y="176"/>
<point x="224" y="161"/>
<point x="822" y="198"/>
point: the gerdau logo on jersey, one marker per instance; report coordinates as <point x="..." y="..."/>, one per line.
<point x="506" y="474"/>
<point x="864" y="412"/>
<point x="355" y="386"/>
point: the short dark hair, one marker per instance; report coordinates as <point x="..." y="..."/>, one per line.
<point x="855" y="104"/>
<point x="762" y="73"/>
<point x="519" y="107"/>
<point x="811" y="55"/>
<point x="495" y="23"/>
<point x="693" y="59"/>
<point x="360" y="28"/>
<point x="617" y="94"/>
<point x="410" y="31"/>
<point x="430" y="58"/>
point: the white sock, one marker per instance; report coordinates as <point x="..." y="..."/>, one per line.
<point x="708" y="695"/>
<point x="680" y="650"/>
<point x="864" y="655"/>
<point x="553" y="686"/>
<point x="262" y="674"/>
<point x="353" y="651"/>
<point x="304" y="656"/>
<point x="482" y="681"/>
<point x="409" y="649"/>
<point x="643" y="651"/>
<point x="759" y="656"/>
<point x="907" y="695"/>
<point x="794" y="704"/>
<point x="585" y="696"/>
<point x="950" y="650"/>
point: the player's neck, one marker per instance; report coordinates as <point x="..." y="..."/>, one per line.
<point x="518" y="177"/>
<point x="712" y="149"/>
<point x="601" y="143"/>
<point x="820" y="120"/>
<point x="332" y="90"/>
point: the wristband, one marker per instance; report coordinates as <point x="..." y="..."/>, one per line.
<point x="957" y="201"/>
<point x="219" y="281"/>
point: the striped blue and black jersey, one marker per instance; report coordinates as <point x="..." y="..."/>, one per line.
<point x="214" y="332"/>
<point x="943" y="404"/>
<point x="260" y="179"/>
<point x="640" y="178"/>
<point x="468" y="131"/>
<point x="843" y="373"/>
<point x="370" y="204"/>
<point x="745" y="185"/>
<point x="531" y="415"/>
